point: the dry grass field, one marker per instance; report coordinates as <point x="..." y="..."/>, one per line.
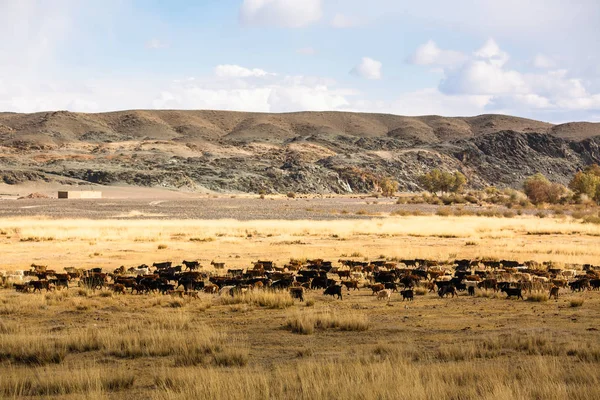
<point x="78" y="343"/>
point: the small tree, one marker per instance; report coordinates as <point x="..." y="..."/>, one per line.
<point x="587" y="182"/>
<point x="437" y="181"/>
<point x="540" y="190"/>
<point x="388" y="187"/>
<point x="459" y="182"/>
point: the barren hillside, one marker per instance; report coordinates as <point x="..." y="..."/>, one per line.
<point x="310" y="152"/>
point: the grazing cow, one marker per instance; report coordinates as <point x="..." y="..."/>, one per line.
<point x="488" y="284"/>
<point x="407" y="294"/>
<point x="471" y="290"/>
<point x="595" y="284"/>
<point x="446" y="290"/>
<point x="162" y="265"/>
<point x="334" y="290"/>
<point x="377" y="287"/>
<point x="320" y="283"/>
<point x="553" y="292"/>
<point x="217" y="265"/>
<point x="118" y="288"/>
<point x="512" y="292"/>
<point x="580" y="284"/>
<point x="212" y="289"/>
<point x="191" y="265"/>
<point x="297" y="293"/>
<point x="393" y="286"/>
<point x="39" y="285"/>
<point x="350" y="284"/>
<point x="21" y="287"/>
<point x="385" y="294"/>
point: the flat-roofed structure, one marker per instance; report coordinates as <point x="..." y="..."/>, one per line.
<point x="79" y="194"/>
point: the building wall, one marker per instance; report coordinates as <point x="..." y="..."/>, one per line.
<point x="79" y="194"/>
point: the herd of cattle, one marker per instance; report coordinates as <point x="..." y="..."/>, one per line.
<point x="383" y="278"/>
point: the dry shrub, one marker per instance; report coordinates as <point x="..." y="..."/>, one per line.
<point x="261" y="298"/>
<point x="420" y="291"/>
<point x="46" y="382"/>
<point x="576" y="302"/>
<point x="307" y="322"/>
<point x="444" y="212"/>
<point x="537" y="297"/>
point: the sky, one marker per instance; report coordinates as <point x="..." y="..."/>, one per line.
<point x="537" y="59"/>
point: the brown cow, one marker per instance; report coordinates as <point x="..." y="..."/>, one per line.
<point x="554" y="292"/>
<point x="378" y="287"/>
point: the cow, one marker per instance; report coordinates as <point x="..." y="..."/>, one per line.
<point x="211" y="289"/>
<point x="118" y="288"/>
<point x="407" y="294"/>
<point x="320" y="283"/>
<point x="377" y="287"/>
<point x="227" y="290"/>
<point x="512" y="292"/>
<point x="162" y="265"/>
<point x="297" y="293"/>
<point x="595" y="284"/>
<point x="39" y="285"/>
<point x="579" y="285"/>
<point x="553" y="292"/>
<point x="393" y="286"/>
<point x="385" y="294"/>
<point x="350" y="284"/>
<point x="191" y="265"/>
<point x="488" y="284"/>
<point x="334" y="290"/>
<point x="446" y="290"/>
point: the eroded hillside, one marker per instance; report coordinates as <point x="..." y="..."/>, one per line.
<point x="308" y="152"/>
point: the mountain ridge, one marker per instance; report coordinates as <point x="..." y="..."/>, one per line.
<point x="309" y="152"/>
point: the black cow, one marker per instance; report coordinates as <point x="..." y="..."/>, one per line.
<point x="407" y="294"/>
<point x="162" y="265"/>
<point x="320" y="283"/>
<point x="446" y="290"/>
<point x="512" y="292"/>
<point x="297" y="293"/>
<point x="334" y="290"/>
<point x="191" y="265"/>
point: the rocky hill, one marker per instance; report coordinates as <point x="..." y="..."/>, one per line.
<point x="306" y="152"/>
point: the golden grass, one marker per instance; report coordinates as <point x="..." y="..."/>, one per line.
<point x="45" y="382"/>
<point x="133" y="242"/>
<point x="306" y="322"/>
<point x="387" y="379"/>
<point x="261" y="298"/>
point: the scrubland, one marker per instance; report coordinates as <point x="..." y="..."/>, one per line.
<point x="79" y="343"/>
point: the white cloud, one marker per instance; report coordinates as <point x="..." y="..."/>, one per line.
<point x="484" y="78"/>
<point x="430" y="54"/>
<point x="543" y="62"/>
<point x="492" y="53"/>
<point x="368" y="69"/>
<point x="282" y="13"/>
<point x="236" y="71"/>
<point x="344" y="21"/>
<point x="512" y="91"/>
<point x="307" y="51"/>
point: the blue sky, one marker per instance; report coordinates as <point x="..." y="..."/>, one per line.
<point x="466" y="57"/>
